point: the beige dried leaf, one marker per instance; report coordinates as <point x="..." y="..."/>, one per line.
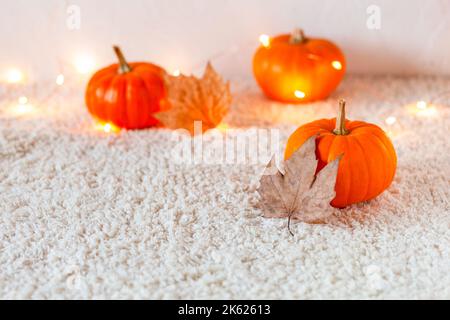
<point x="192" y="99"/>
<point x="298" y="193"/>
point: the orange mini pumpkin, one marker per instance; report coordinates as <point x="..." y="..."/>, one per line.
<point x="294" y="68"/>
<point x="126" y="95"/>
<point x="368" y="161"/>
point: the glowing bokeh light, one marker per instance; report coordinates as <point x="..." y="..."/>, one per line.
<point x="391" y="120"/>
<point x="84" y="64"/>
<point x="422" y="105"/>
<point x="106" y="127"/>
<point x="14" y="76"/>
<point x="264" y="39"/>
<point x="299" y="94"/>
<point x="60" y="80"/>
<point x="336" y="65"/>
<point x="23" y="100"/>
<point x="222" y="127"/>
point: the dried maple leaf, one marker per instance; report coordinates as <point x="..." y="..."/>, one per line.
<point x="192" y="99"/>
<point x="298" y="193"/>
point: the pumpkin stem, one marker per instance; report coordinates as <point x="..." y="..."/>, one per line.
<point x="340" y="120"/>
<point x="297" y="36"/>
<point x="124" y="67"/>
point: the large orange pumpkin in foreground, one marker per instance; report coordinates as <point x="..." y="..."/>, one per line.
<point x="368" y="161"/>
<point x="294" y="68"/>
<point x="126" y="95"/>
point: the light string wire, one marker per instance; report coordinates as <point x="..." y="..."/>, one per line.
<point x="20" y="92"/>
<point x="12" y="92"/>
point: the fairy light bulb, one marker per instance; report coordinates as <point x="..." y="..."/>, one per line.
<point x="14" y="76"/>
<point x="299" y="94"/>
<point x="421" y="105"/>
<point x="176" y="73"/>
<point x="23" y="107"/>
<point x="23" y="100"/>
<point x="336" y="65"/>
<point x="264" y="39"/>
<point x="106" y="127"/>
<point x="423" y="109"/>
<point x="222" y="127"/>
<point x="84" y="64"/>
<point x="391" y="120"/>
<point x="60" y="80"/>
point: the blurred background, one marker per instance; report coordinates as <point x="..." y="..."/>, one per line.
<point x="47" y="37"/>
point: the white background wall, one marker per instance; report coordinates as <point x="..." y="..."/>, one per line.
<point x="414" y="35"/>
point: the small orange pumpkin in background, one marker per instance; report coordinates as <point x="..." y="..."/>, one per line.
<point x="368" y="163"/>
<point x="126" y="95"/>
<point x="294" y="68"/>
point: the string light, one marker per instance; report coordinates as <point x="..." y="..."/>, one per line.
<point x="106" y="127"/>
<point x="23" y="100"/>
<point x="422" y="109"/>
<point x="337" y="65"/>
<point x="391" y="120"/>
<point x="222" y="127"/>
<point x="422" y="105"/>
<point x="14" y="76"/>
<point x="299" y="94"/>
<point x="84" y="64"/>
<point x="60" y="80"/>
<point x="23" y="107"/>
<point x="264" y="39"/>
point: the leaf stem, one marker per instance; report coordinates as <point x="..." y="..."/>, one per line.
<point x="289" y="226"/>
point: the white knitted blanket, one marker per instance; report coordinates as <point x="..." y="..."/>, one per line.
<point x="85" y="214"/>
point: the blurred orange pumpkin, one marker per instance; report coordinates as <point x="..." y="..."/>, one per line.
<point x="295" y="68"/>
<point x="126" y="95"/>
<point x="368" y="163"/>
